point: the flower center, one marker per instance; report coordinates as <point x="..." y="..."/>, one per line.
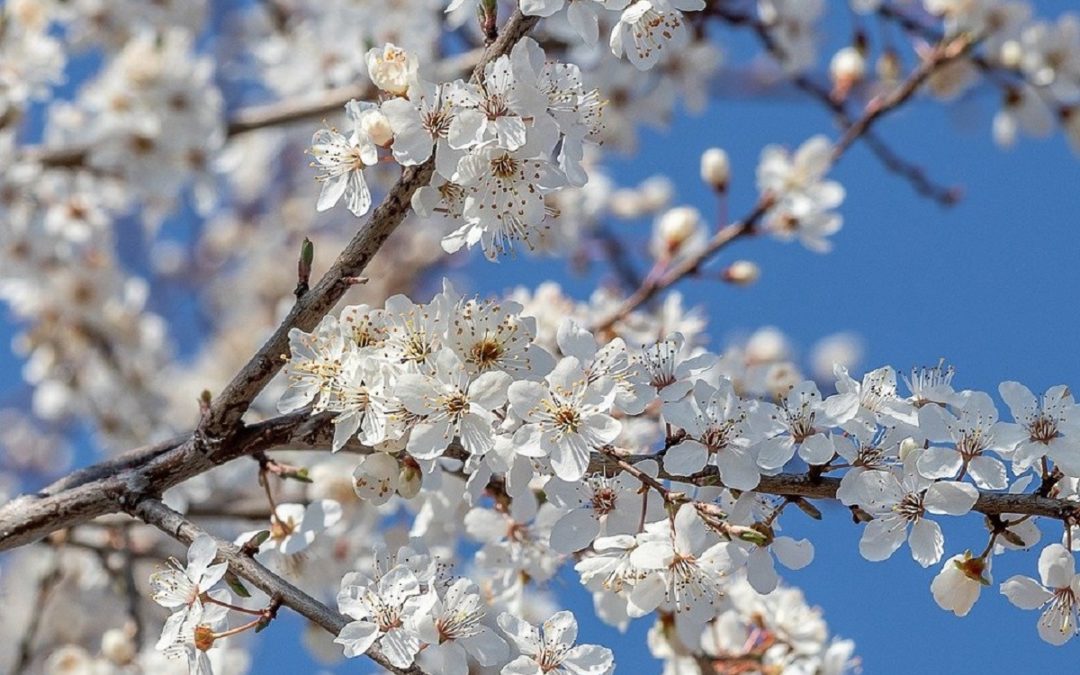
<point x="504" y="166"/>
<point x="485" y="353"/>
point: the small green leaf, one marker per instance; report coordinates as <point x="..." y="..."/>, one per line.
<point x="236" y="585"/>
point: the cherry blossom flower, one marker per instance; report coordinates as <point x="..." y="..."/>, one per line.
<point x="596" y="506"/>
<point x="611" y="361"/>
<point x="671" y="370"/>
<point x="803" y="418"/>
<point x="1059" y="593"/>
<point x="181" y="587"/>
<point x="565" y="419"/>
<point x="493" y="335"/>
<point x="293" y="527"/>
<point x="376" y="478"/>
<point x="550" y="649"/>
<point x="452" y="404"/>
<point x="504" y="198"/>
<point x="420" y="123"/>
<point x="1050" y="429"/>
<point x="316" y="359"/>
<point x="801" y="197"/>
<point x="342" y="160"/>
<point x="494" y="109"/>
<point x="452" y="628"/>
<point x="973" y="431"/>
<point x="689" y="561"/>
<point x="359" y="401"/>
<point x="897" y="501"/>
<point x="649" y="29"/>
<point x="385" y="615"/>
<point x="719" y="433"/>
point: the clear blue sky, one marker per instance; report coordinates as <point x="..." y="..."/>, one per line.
<point x="989" y="285"/>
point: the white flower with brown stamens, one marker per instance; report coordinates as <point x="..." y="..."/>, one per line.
<point x="1047" y="429"/>
<point x="452" y="628"/>
<point x="342" y="160"/>
<point x="898" y="499"/>
<point x="504" y="198"/>
<point x="1059" y="594"/>
<point x="565" y="419"/>
<point x="452" y="404"/>
<point x="551" y="649"/>
<point x="181" y="587"/>
<point x="382" y="613"/>
<point x="315" y="362"/>
<point x="649" y="29"/>
<point x="973" y="431"/>
<point x="803" y="419"/>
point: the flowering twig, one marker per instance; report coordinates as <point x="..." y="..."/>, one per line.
<point x="945" y="53"/>
<point x="170" y="522"/>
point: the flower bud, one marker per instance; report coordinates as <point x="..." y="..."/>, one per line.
<point x="767" y="345"/>
<point x="391" y="68"/>
<point x="204" y="637"/>
<point x="715" y="169"/>
<point x="888" y="67"/>
<point x="742" y="273"/>
<point x="377" y="127"/>
<point x="1011" y="54"/>
<point x="117" y="646"/>
<point x="410" y="480"/>
<point x="679" y="224"/>
<point x="674" y="229"/>
<point x="907" y="446"/>
<point x="847" y="69"/>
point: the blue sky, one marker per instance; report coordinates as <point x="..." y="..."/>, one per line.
<point x="989" y="285"/>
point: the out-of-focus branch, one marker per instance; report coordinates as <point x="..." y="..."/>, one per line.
<point x="889" y="158"/>
<point x="944" y="53"/>
<point x="176" y="526"/>
<point x="25" y="649"/>
<point x="287" y="111"/>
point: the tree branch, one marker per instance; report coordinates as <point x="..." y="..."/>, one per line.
<point x="176" y="526"/>
<point x="943" y="54"/>
<point x="889" y="158"/>
<point x="287" y="111"/>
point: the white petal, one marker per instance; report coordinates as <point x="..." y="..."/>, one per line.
<point x="574" y="531"/>
<point x="357" y="637"/>
<point x="1056" y="566"/>
<point x="939" y="463"/>
<point x="1025" y="592"/>
<point x="882" y="537"/>
<point x="686" y="458"/>
<point x="950" y="497"/>
<point x="793" y="554"/>
<point x="926" y="542"/>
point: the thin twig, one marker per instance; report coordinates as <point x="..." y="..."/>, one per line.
<point x="176" y="526"/>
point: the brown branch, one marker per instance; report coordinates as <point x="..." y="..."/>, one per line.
<point x="889" y="158"/>
<point x="877" y="108"/>
<point x="278" y="113"/>
<point x="45" y="587"/>
<point x="176" y="526"/>
<point x="811" y="487"/>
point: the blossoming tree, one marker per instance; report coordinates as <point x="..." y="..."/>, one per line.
<point x="281" y="398"/>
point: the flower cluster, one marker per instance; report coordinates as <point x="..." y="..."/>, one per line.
<point x="466" y="379"/>
<point x="500" y="144"/>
